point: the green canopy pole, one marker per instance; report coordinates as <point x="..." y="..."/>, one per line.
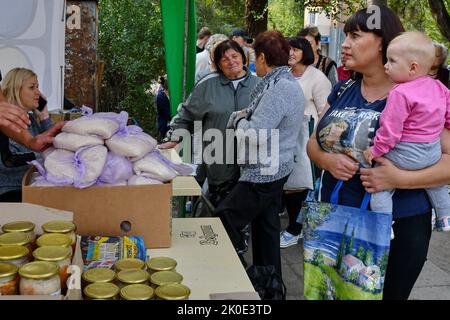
<point x="179" y="44"/>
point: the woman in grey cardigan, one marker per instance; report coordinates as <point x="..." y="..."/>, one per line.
<point x="266" y="132"/>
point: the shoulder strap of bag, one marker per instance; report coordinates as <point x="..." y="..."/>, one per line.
<point x="335" y="196"/>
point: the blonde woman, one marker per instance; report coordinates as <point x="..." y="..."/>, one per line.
<point x="20" y="87"/>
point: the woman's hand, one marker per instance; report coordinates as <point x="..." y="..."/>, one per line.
<point x="44" y="140"/>
<point x="382" y="177"/>
<point x="167" y="145"/>
<point x="13" y="118"/>
<point x="340" y="166"/>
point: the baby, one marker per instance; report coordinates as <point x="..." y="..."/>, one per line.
<point x="417" y="109"/>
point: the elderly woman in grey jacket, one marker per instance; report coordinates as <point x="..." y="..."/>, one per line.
<point x="208" y="109"/>
<point x="267" y="132"/>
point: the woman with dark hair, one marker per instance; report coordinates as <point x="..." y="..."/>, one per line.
<point x="269" y="126"/>
<point x="209" y="106"/>
<point x="316" y="88"/>
<point x="364" y="50"/>
<point x="325" y="64"/>
<point x="163" y="107"/>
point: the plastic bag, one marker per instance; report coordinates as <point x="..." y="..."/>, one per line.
<point x="152" y="166"/>
<point x="117" y="169"/>
<point x="102" y="124"/>
<point x="89" y="163"/>
<point x="131" y="142"/>
<point x="138" y="180"/>
<point x="74" y="141"/>
<point x="58" y="168"/>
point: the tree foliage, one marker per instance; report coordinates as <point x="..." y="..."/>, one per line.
<point x="286" y="16"/>
<point x="130" y="45"/>
<point x="221" y="16"/>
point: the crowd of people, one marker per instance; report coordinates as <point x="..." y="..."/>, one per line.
<point x="276" y="95"/>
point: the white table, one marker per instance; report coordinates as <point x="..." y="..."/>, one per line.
<point x="207" y="260"/>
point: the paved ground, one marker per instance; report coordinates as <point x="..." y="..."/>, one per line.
<point x="433" y="283"/>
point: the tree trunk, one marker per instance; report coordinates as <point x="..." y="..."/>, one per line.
<point x="256" y="16"/>
<point x="441" y="16"/>
<point x="377" y="2"/>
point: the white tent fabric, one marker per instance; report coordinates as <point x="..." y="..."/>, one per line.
<point x="32" y="35"/>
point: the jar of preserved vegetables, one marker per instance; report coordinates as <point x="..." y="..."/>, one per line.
<point x="16" y="238"/>
<point x="129" y="263"/>
<point x="137" y="292"/>
<point x="101" y="291"/>
<point x="161" y="278"/>
<point x="161" y="264"/>
<point x="58" y="255"/>
<point x="132" y="276"/>
<point x="55" y="239"/>
<point x="40" y="278"/>
<point x="9" y="279"/>
<point x="61" y="226"/>
<point x="98" y="275"/>
<point x="173" y="291"/>
<point x="20" y="226"/>
<point x="18" y="255"/>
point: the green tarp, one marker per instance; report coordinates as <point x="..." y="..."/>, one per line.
<point x="173" y="23"/>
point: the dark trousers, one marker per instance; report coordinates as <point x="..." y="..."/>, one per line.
<point x="407" y="255"/>
<point x="293" y="203"/>
<point x="11" y="196"/>
<point x="258" y="204"/>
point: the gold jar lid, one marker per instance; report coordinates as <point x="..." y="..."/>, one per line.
<point x="7" y="269"/>
<point x="173" y="291"/>
<point x="132" y="276"/>
<point x="137" y="292"/>
<point x="51" y="253"/>
<point x="58" y="226"/>
<point x="129" y="263"/>
<point x="13" y="252"/>
<point x="106" y="290"/>
<point x="96" y="275"/>
<point x="161" y="264"/>
<point x="54" y="239"/>
<point x="39" y="270"/>
<point x="18" y="226"/>
<point x="161" y="278"/>
<point x="17" y="238"/>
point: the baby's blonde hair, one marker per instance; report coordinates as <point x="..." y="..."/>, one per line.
<point x="12" y="83"/>
<point x="417" y="47"/>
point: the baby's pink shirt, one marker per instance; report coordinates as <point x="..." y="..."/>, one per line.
<point x="415" y="111"/>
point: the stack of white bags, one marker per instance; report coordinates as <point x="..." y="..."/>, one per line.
<point x="100" y="149"/>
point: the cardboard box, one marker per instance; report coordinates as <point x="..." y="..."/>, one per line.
<point x="143" y="210"/>
<point x="39" y="215"/>
<point x="63" y="116"/>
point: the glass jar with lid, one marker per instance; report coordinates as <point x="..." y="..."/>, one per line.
<point x="98" y="275"/>
<point x="137" y="292"/>
<point x="16" y="238"/>
<point x="161" y="264"/>
<point x="20" y="226"/>
<point x="161" y="278"/>
<point x="58" y="255"/>
<point x="174" y="291"/>
<point x="132" y="276"/>
<point x="40" y="278"/>
<point x="61" y="226"/>
<point x="55" y="239"/>
<point x="129" y="263"/>
<point x="9" y="279"/>
<point x="101" y="291"/>
<point x="18" y="255"/>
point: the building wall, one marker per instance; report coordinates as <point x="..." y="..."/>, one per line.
<point x="80" y="80"/>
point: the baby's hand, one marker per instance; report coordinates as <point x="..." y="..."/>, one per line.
<point x="368" y="156"/>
